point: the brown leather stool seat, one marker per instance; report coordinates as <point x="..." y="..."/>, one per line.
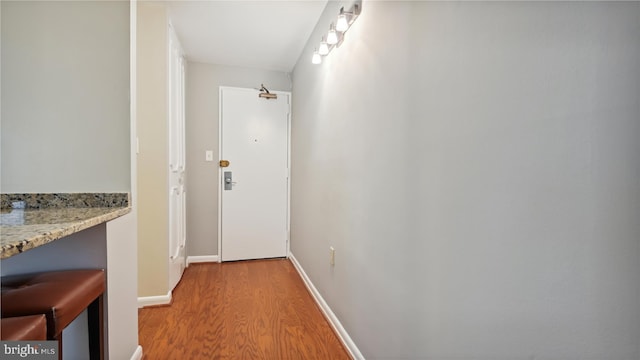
<point x="24" y="328"/>
<point x="61" y="296"/>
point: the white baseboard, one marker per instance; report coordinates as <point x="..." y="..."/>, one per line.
<point x="328" y="313"/>
<point x="137" y="355"/>
<point x="201" y="259"/>
<point x="154" y="300"/>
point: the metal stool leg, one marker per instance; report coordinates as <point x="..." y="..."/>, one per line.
<point x="96" y="329"/>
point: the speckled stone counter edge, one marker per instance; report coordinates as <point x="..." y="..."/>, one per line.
<point x="66" y="200"/>
<point x="23" y="238"/>
<point x="29" y="239"/>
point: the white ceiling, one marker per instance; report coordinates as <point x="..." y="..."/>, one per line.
<point x="261" y="34"/>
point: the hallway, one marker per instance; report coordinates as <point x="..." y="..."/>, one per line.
<point x="239" y="310"/>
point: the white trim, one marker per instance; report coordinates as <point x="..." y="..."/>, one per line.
<point x="202" y="259"/>
<point x="289" y="102"/>
<point x="154" y="300"/>
<point x="137" y="355"/>
<point x="133" y="113"/>
<point x="327" y="312"/>
<point x="220" y="172"/>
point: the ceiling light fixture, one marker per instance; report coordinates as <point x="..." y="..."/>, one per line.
<point x="346" y="18"/>
<point x="316" y="58"/>
<point x="324" y="47"/>
<point x="342" y="24"/>
<point x="335" y="36"/>
<point x="332" y="36"/>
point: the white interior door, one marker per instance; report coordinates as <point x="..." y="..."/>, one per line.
<point x="177" y="208"/>
<point x="254" y="188"/>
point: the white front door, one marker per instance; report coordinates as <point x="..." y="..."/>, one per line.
<point x="254" y="188"/>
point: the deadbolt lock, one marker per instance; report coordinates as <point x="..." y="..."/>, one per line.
<point x="224" y="163"/>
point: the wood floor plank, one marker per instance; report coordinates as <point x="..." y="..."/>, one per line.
<point x="257" y="309"/>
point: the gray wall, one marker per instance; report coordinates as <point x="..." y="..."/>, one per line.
<point x="202" y="95"/>
<point x="476" y="166"/>
<point x="65" y="96"/>
<point x="66" y="127"/>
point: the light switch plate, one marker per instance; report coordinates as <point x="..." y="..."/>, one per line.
<point x="208" y="155"/>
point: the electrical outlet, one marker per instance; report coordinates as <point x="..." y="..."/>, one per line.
<point x="332" y="255"/>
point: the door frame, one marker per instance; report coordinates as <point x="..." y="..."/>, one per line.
<point x="220" y="170"/>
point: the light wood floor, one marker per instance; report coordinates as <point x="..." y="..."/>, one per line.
<point x="240" y="310"/>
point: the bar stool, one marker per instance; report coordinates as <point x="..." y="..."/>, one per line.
<point x="61" y="296"/>
<point x="24" y="328"/>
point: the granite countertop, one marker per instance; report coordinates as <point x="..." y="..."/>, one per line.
<point x="38" y="219"/>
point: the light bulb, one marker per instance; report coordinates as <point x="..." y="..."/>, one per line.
<point x="323" y="49"/>
<point x="342" y="24"/>
<point x="316" y="58"/>
<point x="332" y="36"/>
